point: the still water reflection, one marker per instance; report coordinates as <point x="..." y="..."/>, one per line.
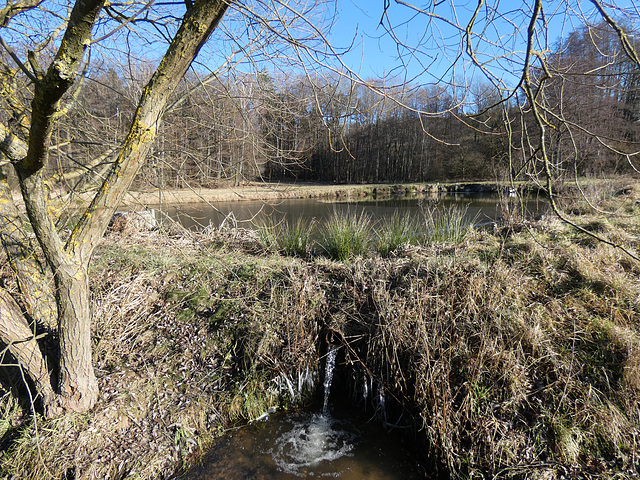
<point x="308" y="445"/>
<point x="482" y="208"/>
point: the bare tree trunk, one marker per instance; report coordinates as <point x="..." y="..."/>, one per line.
<point x="21" y="341"/>
<point x="33" y="280"/>
<point x="68" y="261"/>
<point x="77" y="384"/>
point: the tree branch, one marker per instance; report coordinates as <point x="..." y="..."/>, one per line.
<point x="13" y="9"/>
<point x="59" y="77"/>
<point x="195" y="29"/>
<point x="18" y="62"/>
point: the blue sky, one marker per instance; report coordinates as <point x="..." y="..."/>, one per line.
<point x="372" y="52"/>
<point x="375" y="53"/>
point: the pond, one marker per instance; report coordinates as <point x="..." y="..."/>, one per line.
<point x="480" y="209"/>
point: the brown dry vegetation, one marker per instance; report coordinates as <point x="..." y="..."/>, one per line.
<point x="517" y="352"/>
<point x="249" y="191"/>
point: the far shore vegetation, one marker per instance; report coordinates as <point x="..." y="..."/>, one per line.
<point x="511" y="351"/>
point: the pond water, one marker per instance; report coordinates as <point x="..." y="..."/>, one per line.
<point x="481" y="209"/>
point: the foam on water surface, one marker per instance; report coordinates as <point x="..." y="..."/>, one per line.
<point x="310" y="440"/>
<point x="310" y="445"/>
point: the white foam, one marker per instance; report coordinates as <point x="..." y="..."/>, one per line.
<point x="311" y="441"/>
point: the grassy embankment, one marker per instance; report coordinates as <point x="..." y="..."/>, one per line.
<point x="516" y="351"/>
<point x="278" y="191"/>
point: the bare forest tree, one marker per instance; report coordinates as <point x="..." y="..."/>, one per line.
<point x="335" y="127"/>
<point x="245" y="124"/>
<point x="58" y="113"/>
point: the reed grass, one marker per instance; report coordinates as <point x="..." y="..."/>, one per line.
<point x="268" y="234"/>
<point x="346" y="235"/>
<point x="289" y="238"/>
<point x="395" y="231"/>
<point x="446" y="224"/>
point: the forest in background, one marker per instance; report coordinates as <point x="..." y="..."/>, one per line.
<point x="236" y="127"/>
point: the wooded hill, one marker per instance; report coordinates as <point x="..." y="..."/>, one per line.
<point x="241" y="127"/>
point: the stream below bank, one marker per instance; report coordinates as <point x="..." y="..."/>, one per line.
<point x="308" y="444"/>
<point x="339" y="441"/>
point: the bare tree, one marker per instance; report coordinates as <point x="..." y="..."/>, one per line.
<point x="67" y="111"/>
<point x="53" y="68"/>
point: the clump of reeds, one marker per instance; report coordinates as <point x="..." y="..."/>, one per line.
<point x="446" y="224"/>
<point x="268" y="233"/>
<point x="346" y="235"/>
<point x="395" y="231"/>
<point x="289" y="238"/>
<point x="349" y="235"/>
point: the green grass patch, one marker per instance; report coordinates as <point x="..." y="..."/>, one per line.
<point x="394" y="231"/>
<point x="289" y="238"/>
<point x="446" y="224"/>
<point x="346" y="235"/>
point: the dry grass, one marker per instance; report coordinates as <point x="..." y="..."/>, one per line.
<point x="516" y="354"/>
<point x="181" y="354"/>
<point x="509" y="373"/>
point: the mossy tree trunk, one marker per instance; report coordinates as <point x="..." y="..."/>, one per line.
<point x="54" y="295"/>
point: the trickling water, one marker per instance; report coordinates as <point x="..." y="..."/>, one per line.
<point x="381" y="404"/>
<point x="365" y="389"/>
<point x="328" y="377"/>
<point x="311" y="445"/>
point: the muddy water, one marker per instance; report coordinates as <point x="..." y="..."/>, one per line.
<point x="311" y="445"/>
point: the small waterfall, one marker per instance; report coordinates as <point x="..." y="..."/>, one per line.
<point x="316" y="445"/>
<point x="328" y="377"/>
<point x="365" y="388"/>
<point x="382" y="404"/>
